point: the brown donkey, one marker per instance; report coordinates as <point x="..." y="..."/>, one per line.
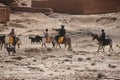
<point x="66" y="42"/>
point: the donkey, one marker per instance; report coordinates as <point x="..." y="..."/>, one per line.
<point x="101" y="43"/>
<point x="55" y="43"/>
<point x="66" y="42"/>
<point x="50" y="39"/>
<point x="16" y="41"/>
<point x="2" y="41"/>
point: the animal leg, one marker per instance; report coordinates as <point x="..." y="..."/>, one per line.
<point x="59" y="46"/>
<point x="14" y="52"/>
<point x="53" y="43"/>
<point x="42" y="44"/>
<point x="69" y="47"/>
<point x="8" y="53"/>
<point x="45" y="45"/>
<point x="111" y="48"/>
<point x="98" y="48"/>
<point x="103" y="48"/>
<point x="18" y="45"/>
<point x="65" y="44"/>
<point x="1" y="46"/>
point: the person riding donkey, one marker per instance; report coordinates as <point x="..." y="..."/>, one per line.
<point x="45" y="38"/>
<point x="103" y="40"/>
<point x="103" y="36"/>
<point x="61" y="34"/>
<point x="14" y="39"/>
<point x="11" y="36"/>
<point x="12" y="33"/>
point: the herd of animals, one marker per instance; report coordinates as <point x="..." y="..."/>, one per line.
<point x="53" y="41"/>
<point x="33" y="39"/>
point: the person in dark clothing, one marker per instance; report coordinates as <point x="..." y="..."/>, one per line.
<point x="61" y="31"/>
<point x="103" y="36"/>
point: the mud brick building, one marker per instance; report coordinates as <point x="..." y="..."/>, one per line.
<point x="4" y="14"/>
<point x="79" y="6"/>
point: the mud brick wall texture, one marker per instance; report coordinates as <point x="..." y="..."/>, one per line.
<point x="6" y="2"/>
<point x="79" y="6"/>
<point x="30" y="9"/>
<point x="4" y="14"/>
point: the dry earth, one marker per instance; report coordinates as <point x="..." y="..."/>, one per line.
<point x="32" y="62"/>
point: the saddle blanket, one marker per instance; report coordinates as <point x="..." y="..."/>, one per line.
<point x="60" y="40"/>
<point x="9" y="39"/>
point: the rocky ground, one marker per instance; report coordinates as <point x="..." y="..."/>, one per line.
<point x="83" y="62"/>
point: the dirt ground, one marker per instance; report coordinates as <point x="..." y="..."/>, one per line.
<point x="83" y="62"/>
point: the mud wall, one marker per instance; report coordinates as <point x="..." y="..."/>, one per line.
<point x="79" y="6"/>
<point x="100" y="6"/>
<point x="62" y="6"/>
<point x="29" y="9"/>
<point x="4" y="14"/>
<point x="6" y="2"/>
